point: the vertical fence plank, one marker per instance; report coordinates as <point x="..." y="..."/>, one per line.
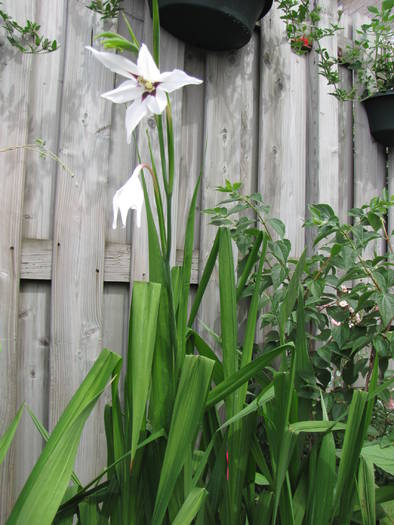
<point x="369" y="156"/>
<point x="78" y="242"/>
<point x="322" y="183"/>
<point x="122" y="160"/>
<point x="14" y="98"/>
<point x="345" y="134"/>
<point x="192" y="150"/>
<point x="228" y="117"/>
<point x="34" y="304"/>
<point x="283" y="130"/>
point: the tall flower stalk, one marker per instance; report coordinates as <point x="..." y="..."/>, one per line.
<point x="147" y="90"/>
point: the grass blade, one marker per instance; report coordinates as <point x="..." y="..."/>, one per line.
<point x="185" y="278"/>
<point x="291" y="295"/>
<point x="366" y="491"/>
<point x="348" y="466"/>
<point x="191" y="507"/>
<point x="209" y="266"/>
<point x="232" y="383"/>
<point x="45" y="436"/>
<point x="143" y="325"/>
<point x="323" y="489"/>
<point x="47" y="483"/>
<point x="188" y="410"/>
<point x="8" y="436"/>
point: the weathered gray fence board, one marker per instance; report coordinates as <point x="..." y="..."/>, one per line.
<point x="369" y="160"/>
<point x="227" y="118"/>
<point x="282" y="173"/>
<point x="34" y="305"/>
<point x="345" y="136"/>
<point x="14" y="109"/>
<point x="192" y="148"/>
<point x="323" y="161"/>
<point x="78" y="256"/>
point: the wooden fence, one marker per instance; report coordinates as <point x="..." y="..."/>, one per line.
<point x="263" y="116"/>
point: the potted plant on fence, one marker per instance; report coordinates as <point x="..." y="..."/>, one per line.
<point x="370" y="57"/>
<point x="227" y="24"/>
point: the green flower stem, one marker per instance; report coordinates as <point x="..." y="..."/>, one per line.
<point x="386" y="235"/>
<point x="170" y="146"/>
<point x="160" y="133"/>
<point x="158" y="199"/>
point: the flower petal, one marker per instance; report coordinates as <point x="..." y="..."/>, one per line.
<point x="172" y="80"/>
<point x="146" y="65"/>
<point x="134" y="114"/>
<point x="156" y="104"/>
<point x="126" y="92"/>
<point x="116" y="63"/>
<point x="129" y="197"/>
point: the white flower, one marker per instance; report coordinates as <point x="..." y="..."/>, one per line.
<point x="146" y="87"/>
<point x="129" y="197"/>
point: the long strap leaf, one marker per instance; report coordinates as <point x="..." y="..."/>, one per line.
<point x="188" y="409"/>
<point x="8" y="436"/>
<point x="47" y="483"/>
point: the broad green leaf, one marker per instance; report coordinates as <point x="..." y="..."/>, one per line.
<point x="251" y="261"/>
<point x="250" y="331"/>
<point x="88" y="513"/>
<point x="322" y="493"/>
<point x="45" y="436"/>
<point x="300" y="500"/>
<point x="143" y="326"/>
<point x="348" y="466"/>
<point x="243" y="375"/>
<point x="316" y="426"/>
<point x="185" y="277"/>
<point x="66" y="518"/>
<point x="366" y="491"/>
<point x="187" y="413"/>
<point x="78" y="495"/>
<point x="267" y="394"/>
<point x="209" y="266"/>
<point x="205" y="350"/>
<point x="281" y="484"/>
<point x="8" y="436"/>
<point x="228" y="312"/>
<point x="291" y="295"/>
<point x="43" y="492"/>
<point x="261" y="480"/>
<point x="382" y="457"/>
<point x="190" y="507"/>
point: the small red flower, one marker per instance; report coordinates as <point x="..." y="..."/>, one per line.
<point x="305" y="41"/>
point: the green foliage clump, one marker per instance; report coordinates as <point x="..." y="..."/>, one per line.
<point x="27" y="38"/>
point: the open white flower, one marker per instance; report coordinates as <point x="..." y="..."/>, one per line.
<point x="146" y="87"/>
<point x="129" y="197"/>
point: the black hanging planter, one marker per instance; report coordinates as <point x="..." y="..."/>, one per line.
<point x="213" y="24"/>
<point x="380" y="111"/>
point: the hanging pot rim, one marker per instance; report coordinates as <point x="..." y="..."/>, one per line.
<point x="378" y="94"/>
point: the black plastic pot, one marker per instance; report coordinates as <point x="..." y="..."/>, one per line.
<point x="213" y="24"/>
<point x="380" y="111"/>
